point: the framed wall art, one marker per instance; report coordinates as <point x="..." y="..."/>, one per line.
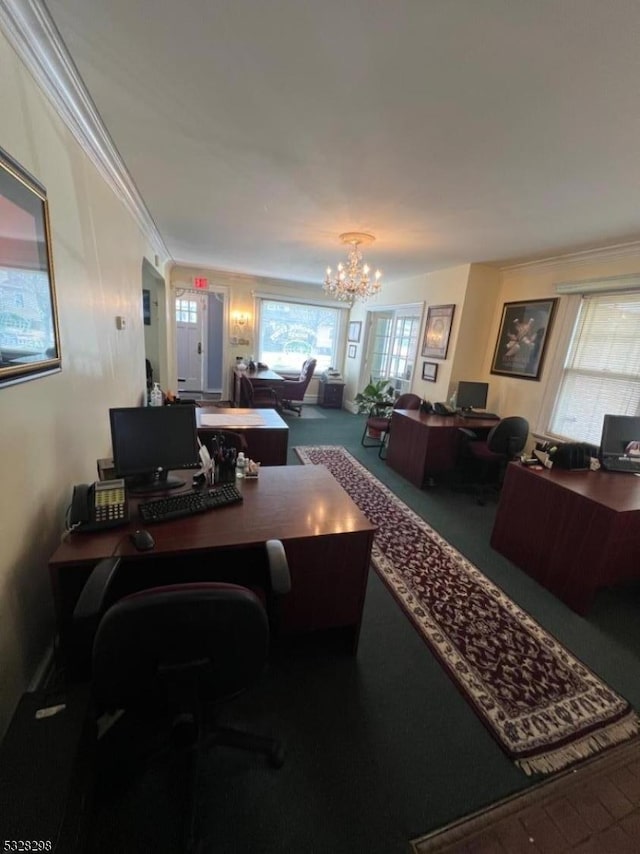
<point x="146" y="306"/>
<point x="351" y="351"/>
<point x="355" y="328"/>
<point x="430" y="371"/>
<point x="437" y="331"/>
<point x="29" y="336"/>
<point x="524" y="329"/>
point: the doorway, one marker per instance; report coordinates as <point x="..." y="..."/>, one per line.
<point x="199" y="320"/>
<point x="392" y="344"/>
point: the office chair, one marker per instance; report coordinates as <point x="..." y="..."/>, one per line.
<point x="379" y="421"/>
<point x="257" y="397"/>
<point x="294" y="390"/>
<point x="172" y="651"/>
<point x="503" y="443"/>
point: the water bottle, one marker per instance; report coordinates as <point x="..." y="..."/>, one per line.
<point x="155" y="398"/>
<point x="240" y="464"/>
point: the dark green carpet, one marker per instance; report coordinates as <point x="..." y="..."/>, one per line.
<point x="381" y="747"/>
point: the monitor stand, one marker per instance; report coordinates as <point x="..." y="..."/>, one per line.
<point x="153" y="481"/>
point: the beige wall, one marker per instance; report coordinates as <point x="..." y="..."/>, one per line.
<point x="54" y="428"/>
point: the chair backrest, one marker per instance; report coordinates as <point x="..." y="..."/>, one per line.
<point x="509" y="436"/>
<point x="407" y="401"/>
<point x="307" y="371"/>
<point x="295" y="389"/>
<point x="246" y="392"/>
<point x="158" y="643"/>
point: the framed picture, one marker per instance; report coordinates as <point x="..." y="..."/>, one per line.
<point x="146" y="306"/>
<point x="351" y="351"/>
<point x="29" y="336"/>
<point x="355" y="328"/>
<point x="522" y="338"/>
<point x="437" y="331"/>
<point x="429" y="371"/>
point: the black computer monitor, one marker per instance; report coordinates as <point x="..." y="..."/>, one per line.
<point x="472" y="395"/>
<point x="149" y="441"/>
<point x="620" y="436"/>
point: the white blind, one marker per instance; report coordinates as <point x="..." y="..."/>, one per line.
<point x="602" y="370"/>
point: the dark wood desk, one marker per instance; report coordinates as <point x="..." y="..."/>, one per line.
<point x="422" y="445"/>
<point x="268" y="441"/>
<point x="326" y="537"/>
<point x="258" y="378"/>
<point x="573" y="531"/>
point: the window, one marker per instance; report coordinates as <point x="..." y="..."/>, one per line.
<point x="393" y="344"/>
<point x="290" y="332"/>
<point x="601" y="373"/>
<point x="186" y="311"/>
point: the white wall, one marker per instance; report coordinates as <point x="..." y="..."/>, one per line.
<point x="54" y="428"/>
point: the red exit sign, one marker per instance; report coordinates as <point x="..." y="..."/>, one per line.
<point x="201" y="283"/>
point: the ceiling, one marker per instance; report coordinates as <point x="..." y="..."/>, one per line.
<point x="455" y="131"/>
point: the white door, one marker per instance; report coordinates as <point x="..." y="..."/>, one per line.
<point x="392" y="345"/>
<point x="189" y="342"/>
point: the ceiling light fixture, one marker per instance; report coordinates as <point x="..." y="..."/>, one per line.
<point x="352" y="280"/>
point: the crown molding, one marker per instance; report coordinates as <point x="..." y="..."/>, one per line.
<point x="603" y="253"/>
<point x="32" y="33"/>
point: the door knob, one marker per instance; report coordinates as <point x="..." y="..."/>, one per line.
<point x="199" y="348"/>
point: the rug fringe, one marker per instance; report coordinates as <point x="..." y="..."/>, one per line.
<point x="557" y="760"/>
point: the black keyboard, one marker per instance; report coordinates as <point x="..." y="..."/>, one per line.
<point x="490" y="416"/>
<point x="189" y="503"/>
<point x="622" y="464"/>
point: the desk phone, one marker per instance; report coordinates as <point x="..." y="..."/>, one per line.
<point x="99" y="505"/>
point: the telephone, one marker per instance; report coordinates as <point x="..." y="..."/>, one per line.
<point x="427" y="407"/>
<point x="99" y="505"/>
<point x="443" y="409"/>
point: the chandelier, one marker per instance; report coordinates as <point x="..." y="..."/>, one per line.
<point x="352" y="280"/>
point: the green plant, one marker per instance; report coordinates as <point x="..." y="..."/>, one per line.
<point x="380" y="391"/>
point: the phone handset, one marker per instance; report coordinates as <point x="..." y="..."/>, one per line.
<point x="99" y="505"/>
<point x="443" y="409"/>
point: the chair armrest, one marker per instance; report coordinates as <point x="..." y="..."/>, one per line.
<point x="94" y="593"/>
<point x="278" y="567"/>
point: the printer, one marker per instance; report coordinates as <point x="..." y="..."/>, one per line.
<point x="331" y="376"/>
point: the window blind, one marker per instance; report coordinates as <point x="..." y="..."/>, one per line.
<point x="601" y="373"/>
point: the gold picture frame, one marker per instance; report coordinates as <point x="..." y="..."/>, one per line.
<point x="437" y="331"/>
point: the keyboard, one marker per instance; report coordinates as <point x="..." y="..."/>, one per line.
<point x="622" y="464"/>
<point x="489" y="416"/>
<point x="189" y="503"/>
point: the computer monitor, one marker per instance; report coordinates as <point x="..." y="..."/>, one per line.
<point x="149" y="441"/>
<point x="472" y="395"/>
<point x="620" y="436"/>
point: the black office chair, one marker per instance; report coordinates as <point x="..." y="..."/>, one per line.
<point x="292" y="392"/>
<point x="379" y="421"/>
<point x="504" y="442"/>
<point x="169" y="652"/>
<point x="258" y="396"/>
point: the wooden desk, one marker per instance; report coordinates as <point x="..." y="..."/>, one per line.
<point x="326" y="537"/>
<point x="258" y="378"/>
<point x="422" y="445"/>
<point x="573" y="531"/>
<point x="268" y="442"/>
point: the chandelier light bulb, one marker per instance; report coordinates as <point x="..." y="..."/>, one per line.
<point x="352" y="280"/>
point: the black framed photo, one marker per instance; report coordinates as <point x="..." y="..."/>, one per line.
<point x="430" y="371"/>
<point x="524" y="329"/>
<point x="29" y="335"/>
<point x="146" y="306"/>
<point x="355" y="329"/>
<point x="351" y="351"/>
<point x="437" y="331"/>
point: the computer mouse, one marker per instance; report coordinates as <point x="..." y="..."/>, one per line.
<point x="142" y="540"/>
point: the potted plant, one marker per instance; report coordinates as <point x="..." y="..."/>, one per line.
<point x="378" y="394"/>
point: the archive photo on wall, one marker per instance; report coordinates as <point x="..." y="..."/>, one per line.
<point x="437" y="331"/>
<point x="29" y="337"/>
<point x="524" y="329"/>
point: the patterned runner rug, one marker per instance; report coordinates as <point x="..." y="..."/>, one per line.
<point x="545" y="708"/>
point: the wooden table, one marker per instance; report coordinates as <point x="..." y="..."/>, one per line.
<point x="422" y="445"/>
<point x="267" y="434"/>
<point x="326" y="537"/>
<point x="262" y="377"/>
<point x="573" y="531"/>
